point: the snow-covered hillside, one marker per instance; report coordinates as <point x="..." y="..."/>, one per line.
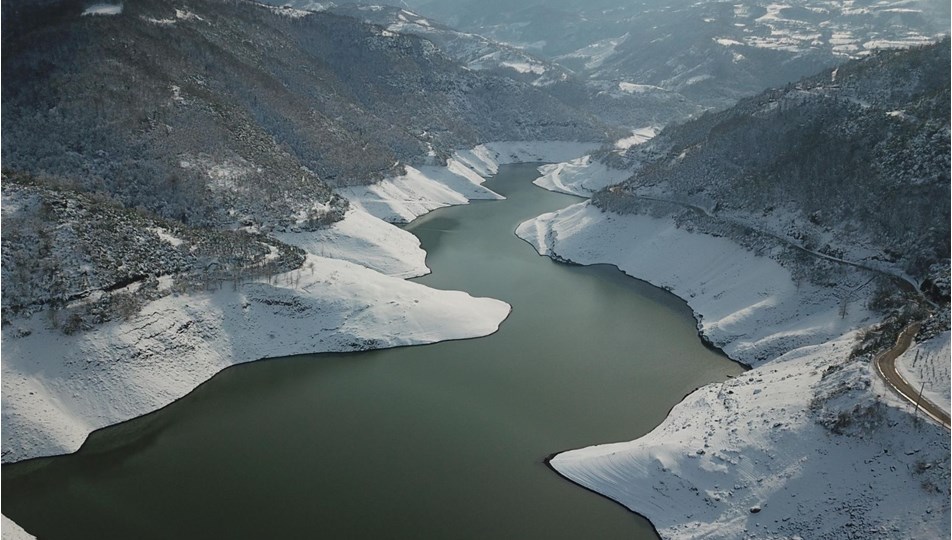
<point x="347" y="295"/>
<point x="926" y="365"/>
<point x="400" y="199"/>
<point x="852" y="162"/>
<point x="748" y="305"/>
<point x="808" y="444"/>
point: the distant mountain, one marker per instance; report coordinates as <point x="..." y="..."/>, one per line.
<point x="217" y="112"/>
<point x="852" y="162"/>
<point x="608" y="102"/>
<point x="712" y="53"/>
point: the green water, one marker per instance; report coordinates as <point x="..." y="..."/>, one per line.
<point x="437" y="441"/>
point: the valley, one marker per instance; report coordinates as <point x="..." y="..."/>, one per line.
<point x="431" y="269"/>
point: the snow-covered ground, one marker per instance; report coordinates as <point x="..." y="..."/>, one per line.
<point x="746" y="304"/>
<point x="103" y="9"/>
<point x="9" y="530"/>
<point x="348" y="295"/>
<point x="59" y="388"/>
<point x="584" y="176"/>
<point x="402" y="198"/>
<point x="751" y="457"/>
<point x="926" y="365"/>
<point x="581" y="176"/>
<point x="368" y="241"/>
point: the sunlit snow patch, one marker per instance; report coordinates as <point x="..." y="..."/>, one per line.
<point x="638" y="136"/>
<point x="632" y="88"/>
<point x="103" y="9"/>
<point x="524" y="67"/>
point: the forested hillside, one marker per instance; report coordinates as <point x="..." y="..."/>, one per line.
<point x="853" y="162"/>
<point x="141" y="139"/>
<point x="87" y="260"/>
<point x="216" y="112"/>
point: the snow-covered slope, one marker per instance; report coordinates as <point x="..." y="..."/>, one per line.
<point x="747" y="459"/>
<point x="347" y="295"/>
<point x="749" y="305"/>
<point x="585" y="175"/>
<point x="58" y="388"/>
<point x="801" y="446"/>
<point x="581" y="176"/>
<point x="926" y="365"/>
<point x="366" y="240"/>
<point x="401" y="198"/>
<point x="12" y="531"/>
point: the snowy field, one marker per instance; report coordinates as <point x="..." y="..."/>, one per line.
<point x="801" y="446"/>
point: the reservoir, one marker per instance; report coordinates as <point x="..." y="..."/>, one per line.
<point x="438" y="441"/>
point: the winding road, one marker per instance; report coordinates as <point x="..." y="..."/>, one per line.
<point x="885" y="364"/>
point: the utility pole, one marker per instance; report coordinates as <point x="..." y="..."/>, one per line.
<point x="915" y="414"/>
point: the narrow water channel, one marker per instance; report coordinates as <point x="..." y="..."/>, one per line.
<point x="438" y="441"/>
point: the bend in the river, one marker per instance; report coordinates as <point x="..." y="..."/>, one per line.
<point x="445" y="440"/>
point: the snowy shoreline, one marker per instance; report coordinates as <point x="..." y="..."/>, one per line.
<point x="730" y="459"/>
<point x="353" y="296"/>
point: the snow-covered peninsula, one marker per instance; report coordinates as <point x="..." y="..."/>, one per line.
<point x="349" y="294"/>
<point x="807" y="444"/>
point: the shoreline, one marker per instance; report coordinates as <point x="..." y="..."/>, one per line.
<point x="691" y="453"/>
<point x="47" y="378"/>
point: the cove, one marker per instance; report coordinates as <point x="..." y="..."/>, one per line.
<point x="437" y="441"/>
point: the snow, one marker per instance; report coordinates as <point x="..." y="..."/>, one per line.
<point x="598" y="52"/>
<point x="485" y="159"/>
<point x="318" y="6"/>
<point x="752" y="442"/>
<point x="167" y="237"/>
<point x="290" y="12"/>
<point x="186" y="15"/>
<point x="638" y="136"/>
<point x="581" y="176"/>
<point x="726" y="42"/>
<point x="402" y="198"/>
<point x="348" y="295"/>
<point x="911" y="41"/>
<point x="58" y="388"/>
<point x="755" y="442"/>
<point x="524" y="67"/>
<point x="103" y="9"/>
<point x="926" y="365"/>
<point x="584" y="176"/>
<point x="632" y="88"/>
<point x="366" y="240"/>
<point x="747" y="304"/>
<point x="12" y="531"/>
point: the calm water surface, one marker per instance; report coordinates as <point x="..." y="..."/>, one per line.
<point x="444" y="440"/>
